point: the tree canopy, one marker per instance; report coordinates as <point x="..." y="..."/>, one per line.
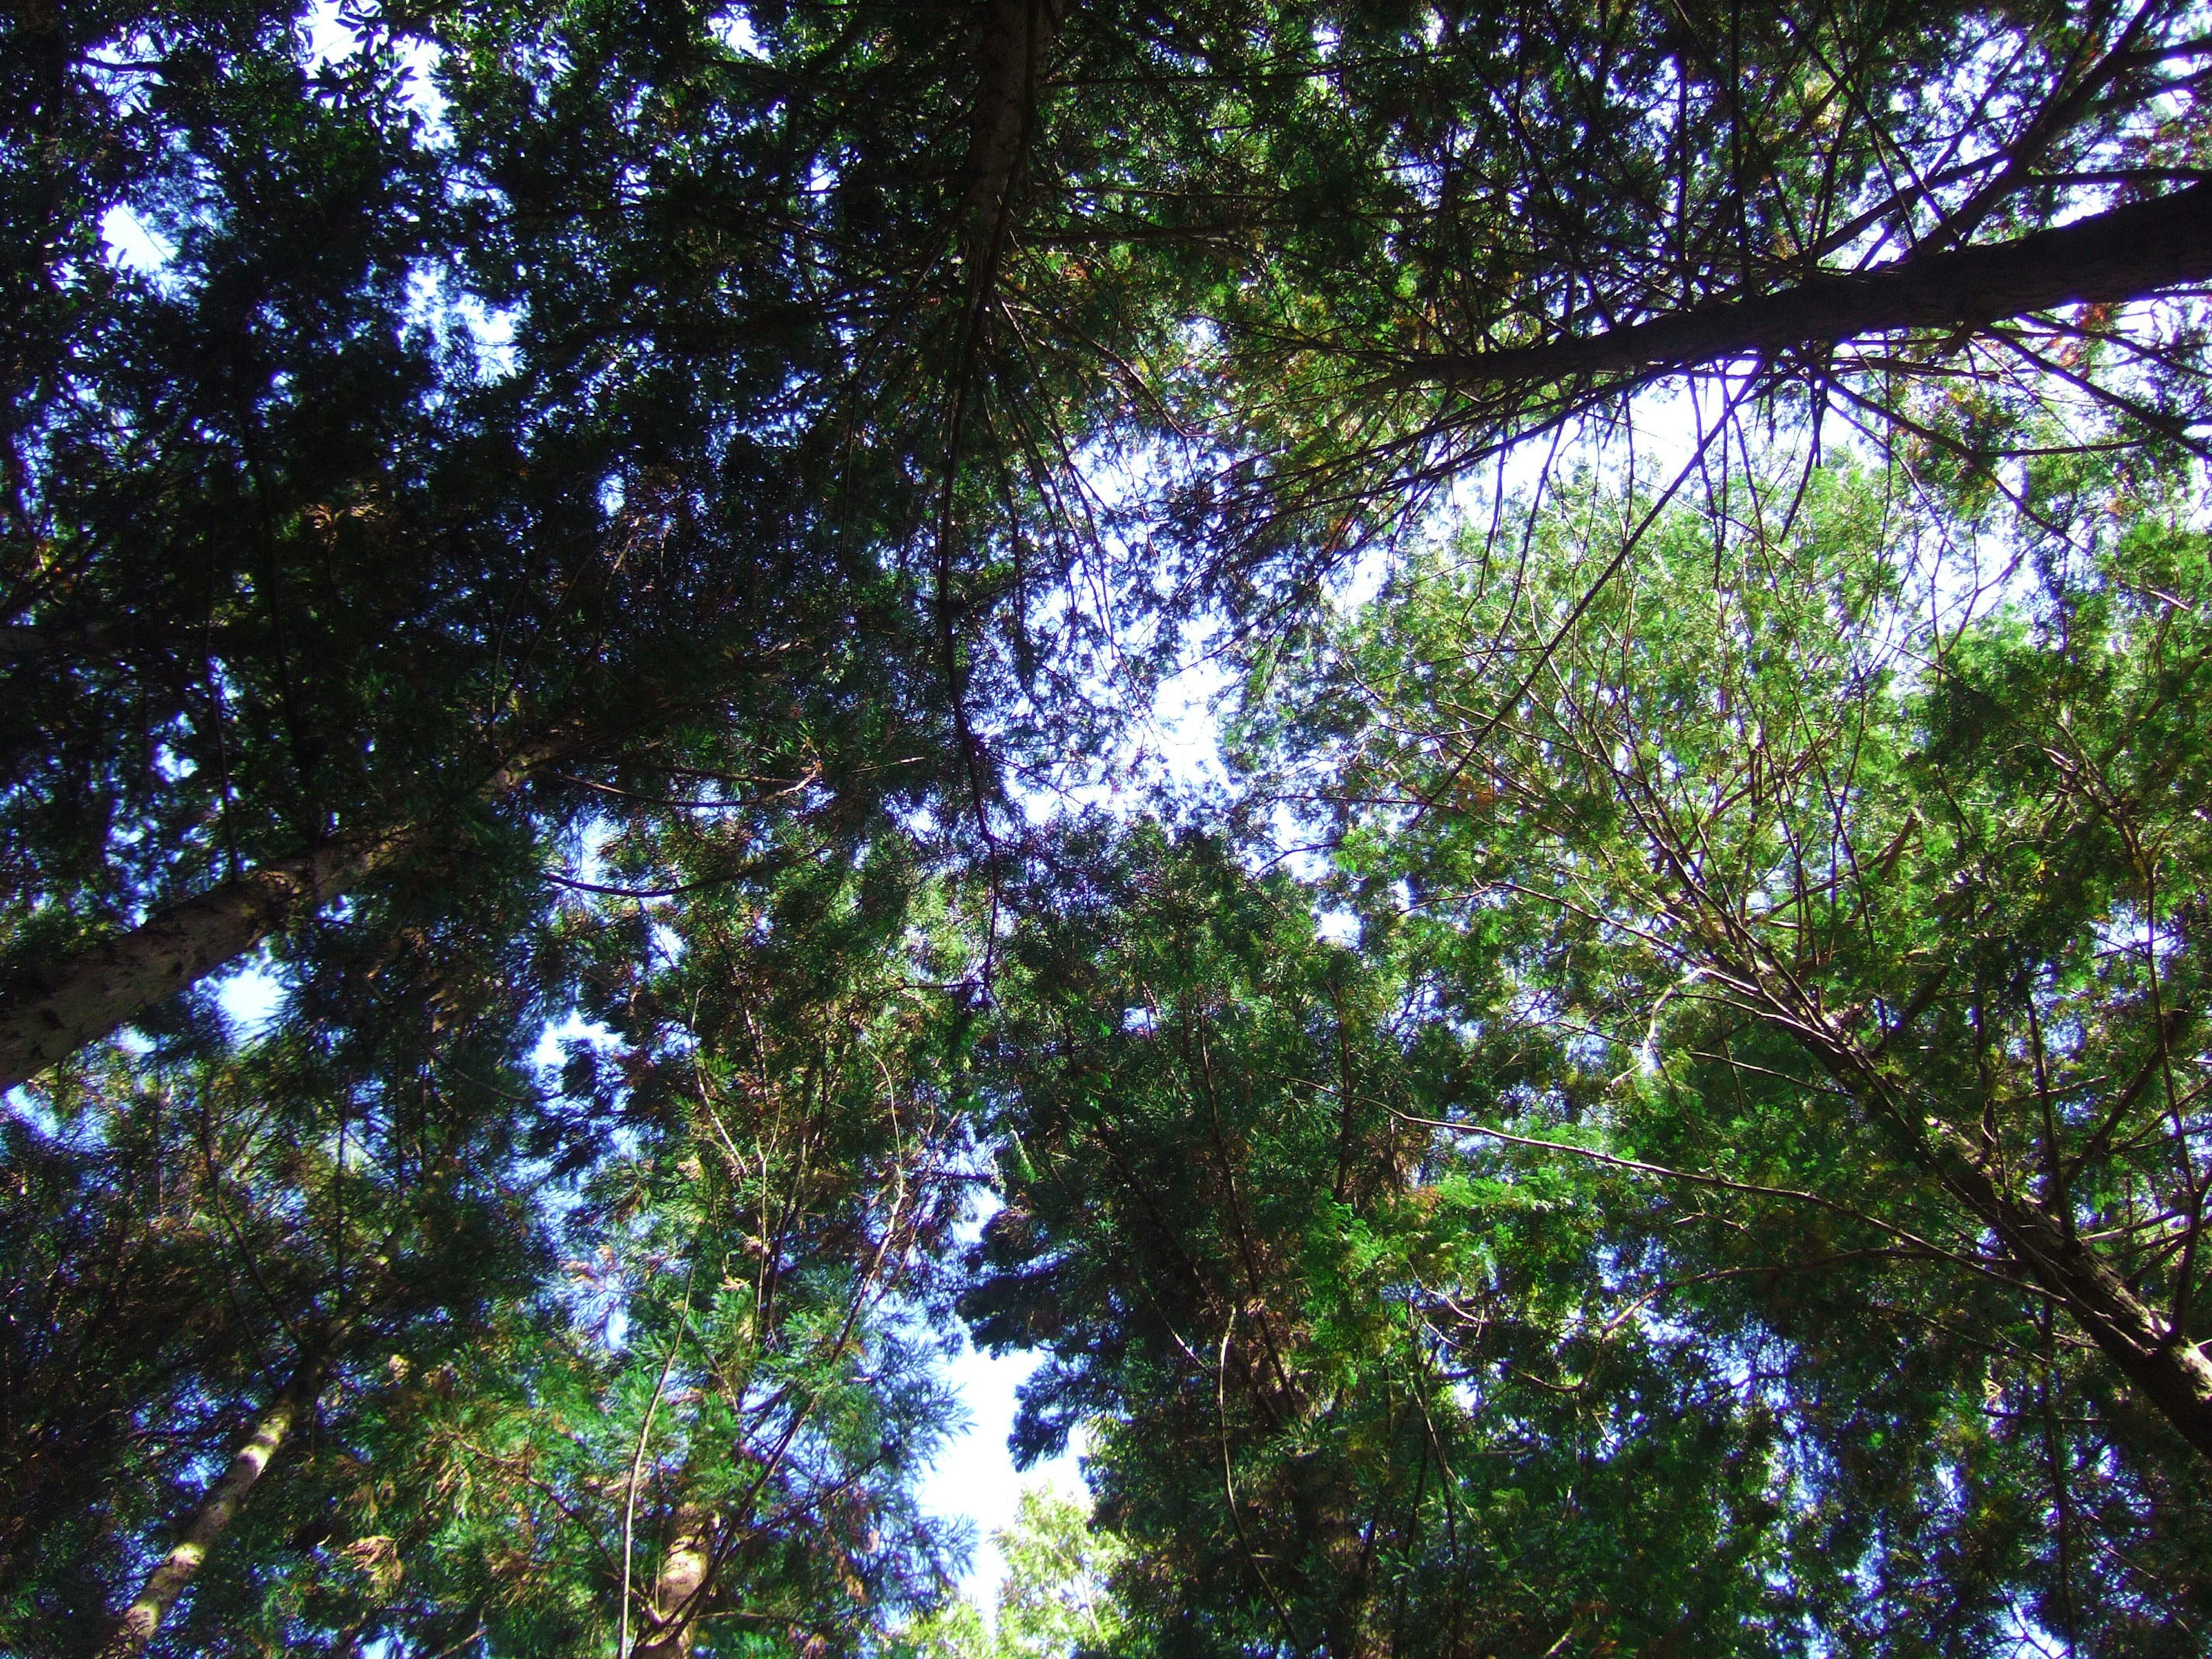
<point x="588" y="885"/>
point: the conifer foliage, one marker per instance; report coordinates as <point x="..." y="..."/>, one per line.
<point x="582" y="896"/>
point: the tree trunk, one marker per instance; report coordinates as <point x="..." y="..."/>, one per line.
<point x="1017" y="35"/>
<point x="2158" y="1361"/>
<point x="682" y="1588"/>
<point x="144" y="1617"/>
<point x="103" y="988"/>
<point x="2129" y="254"/>
<point x="106" y="986"/>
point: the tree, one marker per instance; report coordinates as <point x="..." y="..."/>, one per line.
<point x="1349" y="1388"/>
<point x="1055" y="1599"/>
<point x="269" y="1224"/>
<point x="1940" y="224"/>
<point x="399" y="625"/>
<point x="704" y="1435"/>
<point x="627" y="513"/>
<point x="313" y="593"/>
<point x="951" y="214"/>
<point x="1880" y="914"/>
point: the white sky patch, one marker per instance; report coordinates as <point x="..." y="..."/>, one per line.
<point x="1172" y="751"/>
<point x="1657" y="436"/>
<point x="552" y="1050"/>
<point x="735" y="30"/>
<point x="1187" y="725"/>
<point x="132" y="246"/>
<point x="1172" y="746"/>
<point x="1337" y="926"/>
<point x="974" y="1477"/>
<point x="433" y="303"/>
<point x="250" y="997"/>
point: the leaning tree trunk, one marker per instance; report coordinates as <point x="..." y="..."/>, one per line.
<point x="100" y="989"/>
<point x="2154" y="1354"/>
<point x="144" y="1617"/>
<point x="104" y="987"/>
<point x="2160" y="1362"/>
<point x="2110" y="258"/>
<point x="681" y="1590"/>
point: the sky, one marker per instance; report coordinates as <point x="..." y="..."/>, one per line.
<point x="975" y="1477"/>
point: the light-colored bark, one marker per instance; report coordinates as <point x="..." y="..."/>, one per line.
<point x="104" y="987"/>
<point x="142" y="1618"/>
<point x="680" y="1592"/>
<point x="101" y="989"/>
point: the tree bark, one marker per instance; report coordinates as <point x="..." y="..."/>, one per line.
<point x="2158" y="1361"/>
<point x="2109" y="258"/>
<point x="102" y="988"/>
<point x="1017" y="35"/>
<point x="144" y="1617"/>
<point x="681" y="1590"/>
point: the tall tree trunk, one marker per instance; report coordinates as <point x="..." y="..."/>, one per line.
<point x="136" y="1628"/>
<point x="100" y="989"/>
<point x="1016" y="35"/>
<point x="2129" y="254"/>
<point x="681" y="1591"/>
<point x="1009" y="53"/>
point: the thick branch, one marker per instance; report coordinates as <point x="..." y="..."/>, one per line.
<point x="1017" y="34"/>
<point x="681" y="1591"/>
<point x="1010" y="61"/>
<point x="2169" y="1370"/>
<point x="101" y="989"/>
<point x="2129" y="254"/>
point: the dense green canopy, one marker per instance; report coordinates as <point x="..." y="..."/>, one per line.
<point x="587" y="886"/>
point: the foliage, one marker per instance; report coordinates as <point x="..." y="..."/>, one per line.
<point x="1347" y="1388"/>
<point x="1055" y="1599"/>
<point x="1872" y="919"/>
<point x="580" y="551"/>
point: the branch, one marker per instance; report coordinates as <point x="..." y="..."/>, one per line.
<point x="1698" y="1178"/>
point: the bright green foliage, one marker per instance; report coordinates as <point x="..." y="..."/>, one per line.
<point x="1350" y="1388"/>
<point x="344" y="1191"/>
<point x="1056" y="1601"/>
<point x="1056" y="1597"/>
<point x="1875" y="929"/>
